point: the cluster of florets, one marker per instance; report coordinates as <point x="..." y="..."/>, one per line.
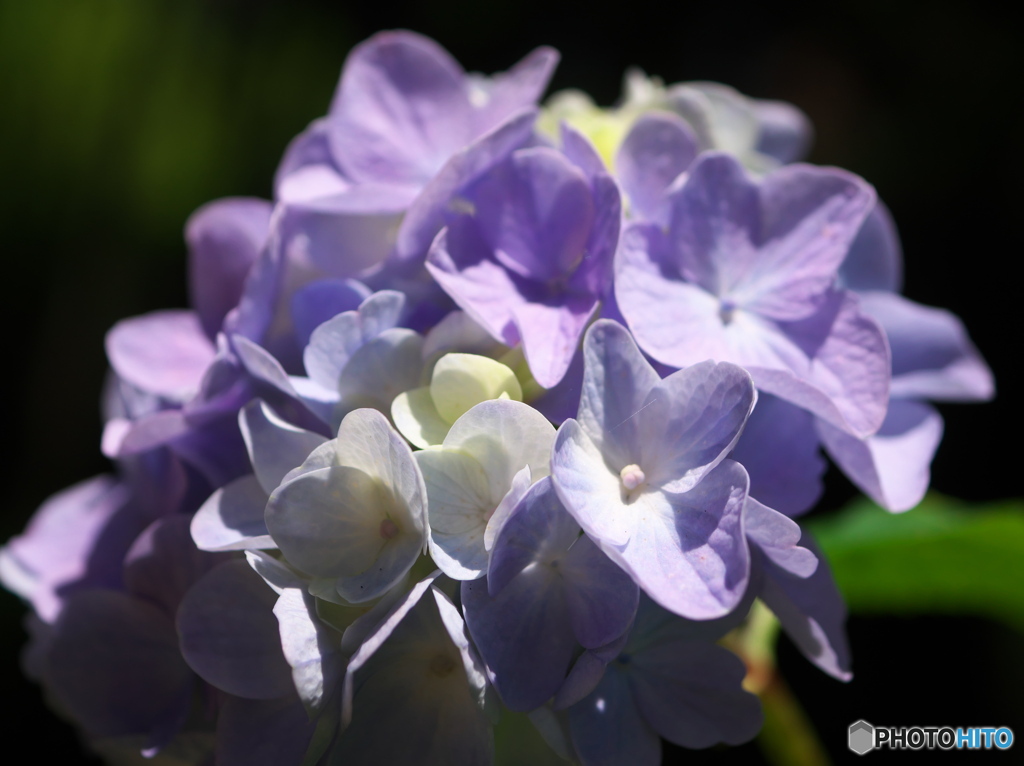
<point x="490" y="407"/>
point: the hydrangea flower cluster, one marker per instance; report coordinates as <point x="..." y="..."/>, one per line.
<point x="491" y="407"/>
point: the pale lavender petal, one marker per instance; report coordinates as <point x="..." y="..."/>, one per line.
<point x="875" y="258"/>
<point x="76" y="539"/>
<point x="232" y="518"/>
<point x="847" y="382"/>
<point x="892" y="466"/>
<point x="262" y="732"/>
<point x="518" y="88"/>
<point x="401" y="109"/>
<point x="165" y="352"/>
<point x="932" y="356"/>
<point x="781" y="451"/>
<point x="381" y="369"/>
<point x="689" y="553"/>
<point x="275" y="446"/>
<point x="690" y="421"/>
<point x="551" y="334"/>
<point x="778" y="537"/>
<point x="310" y="149"/>
<point x="224" y="239"/>
<point x="426" y="215"/>
<point x="113" y="664"/>
<point x="812" y="613"/>
<point x="657" y="149"/>
<point x="616" y="382"/>
<point x="229" y="635"/>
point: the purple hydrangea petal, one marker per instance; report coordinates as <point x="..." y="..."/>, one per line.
<point x="875" y="258"/>
<point x="224" y="240"/>
<point x="551" y="334"/>
<point x="781" y="451"/>
<point x="518" y="88"/>
<point x="229" y="635"/>
<point x="778" y="538"/>
<point x="523" y="634"/>
<point x="616" y="382"/>
<point x="77" y="539"/>
<point x="812" y="613"/>
<point x="535" y="212"/>
<point x="608" y="729"/>
<point x="785" y="132"/>
<point x="333" y="343"/>
<point x="689" y="554"/>
<point x="311" y="150"/>
<point x="165" y="352"/>
<point x="274" y="732"/>
<point x="892" y="466"/>
<point x="401" y="109"/>
<point x="426" y="215"/>
<point x="113" y="663"/>
<point x="932" y="355"/>
<point x="847" y="383"/>
<point x="275" y="446"/>
<point x="232" y="518"/>
<point x="318" y="301"/>
<point x="163" y="563"/>
<point x="657" y="149"/>
<point x="600" y="597"/>
<point x="692" y="419"/>
<point x="692" y="695"/>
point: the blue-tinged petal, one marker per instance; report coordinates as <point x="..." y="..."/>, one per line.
<point x="608" y="729"/>
<point x="812" y="613"/>
<point x="509" y="92"/>
<point x="275" y="446"/>
<point x="785" y="132"/>
<point x="778" y="538"/>
<point x="229" y="635"/>
<point x="538" y="531"/>
<point x="600" y="596"/>
<point x="523" y="634"/>
<point x="520" y="485"/>
<point x="381" y="369"/>
<point x="692" y="694"/>
<point x="932" y="355"/>
<point x="321" y="300"/>
<point x="262" y="732"/>
<point x="657" y="149"/>
<point x="113" y="664"/>
<point x="163" y="563"/>
<point x="781" y="451"/>
<point x="231" y="518"/>
<point x="551" y="333"/>
<point x="875" y="258"/>
<point x="893" y="466"/>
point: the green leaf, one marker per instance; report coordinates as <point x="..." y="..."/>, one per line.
<point x="943" y="556"/>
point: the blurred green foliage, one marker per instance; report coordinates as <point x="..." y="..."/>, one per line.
<point x="943" y="557"/>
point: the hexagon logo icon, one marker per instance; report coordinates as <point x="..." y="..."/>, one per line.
<point x="861" y="737"/>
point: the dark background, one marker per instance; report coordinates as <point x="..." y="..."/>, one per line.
<point x="120" y="118"/>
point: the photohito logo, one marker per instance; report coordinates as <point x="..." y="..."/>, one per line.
<point x="863" y="737"/>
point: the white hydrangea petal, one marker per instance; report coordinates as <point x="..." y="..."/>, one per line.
<point x="417" y="419"/>
<point x="275" y="446"/>
<point x="381" y="369"/>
